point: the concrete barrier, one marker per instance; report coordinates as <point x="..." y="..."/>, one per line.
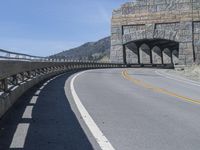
<point x="16" y="77"/>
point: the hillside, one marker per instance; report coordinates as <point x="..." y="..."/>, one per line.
<point x="98" y="51"/>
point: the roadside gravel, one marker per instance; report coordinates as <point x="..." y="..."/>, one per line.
<point x="192" y="72"/>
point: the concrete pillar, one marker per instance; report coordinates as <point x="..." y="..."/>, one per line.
<point x="117" y="49"/>
<point x="197" y="60"/>
<point x="124" y="55"/>
<point x="162" y="61"/>
<point x="132" y="53"/>
<point x="145" y="54"/>
<point x="138" y="50"/>
<point x="175" y="57"/>
<point x="186" y="48"/>
<point x="156" y="55"/>
<point x="171" y="57"/>
<point x="196" y="41"/>
<point x="166" y="56"/>
<point x="151" y="58"/>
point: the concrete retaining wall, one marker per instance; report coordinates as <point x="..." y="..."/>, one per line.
<point x="38" y="71"/>
<point x="8" y="99"/>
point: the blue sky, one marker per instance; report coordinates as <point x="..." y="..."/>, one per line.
<point x="44" y="27"/>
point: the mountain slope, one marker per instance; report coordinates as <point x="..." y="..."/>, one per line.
<point x="89" y="51"/>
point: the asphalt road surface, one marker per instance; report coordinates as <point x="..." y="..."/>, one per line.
<point x="122" y="109"/>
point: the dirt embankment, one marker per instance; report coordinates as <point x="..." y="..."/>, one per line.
<point x="192" y="72"/>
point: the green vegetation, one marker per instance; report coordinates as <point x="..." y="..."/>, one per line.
<point x="94" y="51"/>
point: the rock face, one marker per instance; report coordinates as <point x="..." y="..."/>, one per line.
<point x="156" y="32"/>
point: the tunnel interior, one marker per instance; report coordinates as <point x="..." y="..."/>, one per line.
<point x="151" y="51"/>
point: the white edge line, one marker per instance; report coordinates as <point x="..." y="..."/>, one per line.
<point x="166" y="75"/>
<point x="94" y="129"/>
<point x="20" y="135"/>
<point x="28" y="112"/>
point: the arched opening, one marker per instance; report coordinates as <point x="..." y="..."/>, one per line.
<point x="167" y="56"/>
<point x="145" y="54"/>
<point x="156" y="55"/>
<point x="152" y="51"/>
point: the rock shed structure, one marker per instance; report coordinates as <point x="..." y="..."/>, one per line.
<point x="156" y="32"/>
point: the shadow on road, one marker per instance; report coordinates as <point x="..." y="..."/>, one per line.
<point x="52" y="125"/>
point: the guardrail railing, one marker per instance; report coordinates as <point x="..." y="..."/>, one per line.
<point x="8" y="55"/>
<point x="12" y="73"/>
<point x="19" y="72"/>
<point x="25" y="67"/>
<point x="4" y="54"/>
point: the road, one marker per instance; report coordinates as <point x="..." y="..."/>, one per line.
<point x="132" y="109"/>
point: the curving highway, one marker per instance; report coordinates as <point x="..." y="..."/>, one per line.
<point x="122" y="109"/>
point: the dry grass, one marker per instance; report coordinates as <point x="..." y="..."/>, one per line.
<point x="192" y="72"/>
<point x="105" y="59"/>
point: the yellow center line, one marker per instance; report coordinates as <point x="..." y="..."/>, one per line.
<point x="156" y="89"/>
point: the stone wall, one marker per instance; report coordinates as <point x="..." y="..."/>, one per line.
<point x="171" y="20"/>
<point x="196" y="39"/>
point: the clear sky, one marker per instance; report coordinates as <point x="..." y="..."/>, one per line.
<point x="44" y="27"/>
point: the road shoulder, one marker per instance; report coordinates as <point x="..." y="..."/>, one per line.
<point x="69" y="96"/>
<point x="176" y="76"/>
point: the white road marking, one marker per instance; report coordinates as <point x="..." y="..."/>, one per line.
<point x="28" y="112"/>
<point x="42" y="87"/>
<point x="45" y="84"/>
<point x="37" y="92"/>
<point x="34" y="100"/>
<point x="169" y="76"/>
<point x="48" y="81"/>
<point x="19" y="137"/>
<point x="94" y="129"/>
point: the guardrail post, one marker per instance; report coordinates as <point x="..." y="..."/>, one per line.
<point x="35" y="73"/>
<point x="28" y="74"/>
<point x="4" y="85"/>
<point x="43" y="70"/>
<point x="22" y="76"/>
<point x="14" y="80"/>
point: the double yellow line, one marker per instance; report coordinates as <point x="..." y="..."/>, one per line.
<point x="156" y="89"/>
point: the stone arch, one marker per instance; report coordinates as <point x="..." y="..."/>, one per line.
<point x="150" y="51"/>
<point x="180" y="25"/>
<point x="167" y="56"/>
<point x="145" y="54"/>
<point x="131" y="53"/>
<point x="175" y="57"/>
<point x="156" y="55"/>
<point x="167" y="35"/>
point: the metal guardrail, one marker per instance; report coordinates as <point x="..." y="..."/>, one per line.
<point x="17" y="67"/>
<point x="8" y="55"/>
<point x="19" y="72"/>
<point x="4" y="54"/>
<point x="12" y="73"/>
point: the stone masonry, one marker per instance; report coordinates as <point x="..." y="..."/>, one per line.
<point x="156" y="32"/>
